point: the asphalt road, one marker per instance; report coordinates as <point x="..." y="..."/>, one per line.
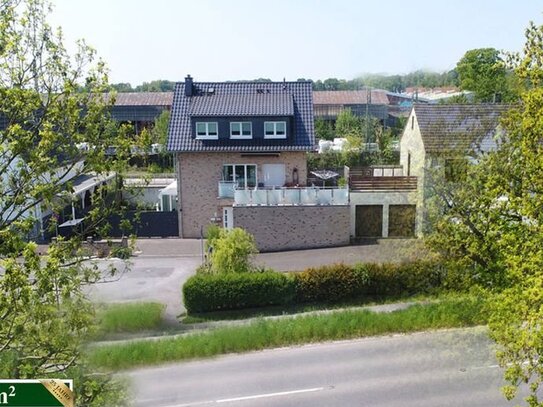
<point x="446" y="368"/>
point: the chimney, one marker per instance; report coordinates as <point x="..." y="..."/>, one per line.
<point x="188" y="86"/>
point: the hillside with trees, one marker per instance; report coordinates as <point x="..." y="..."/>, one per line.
<point x="393" y="83"/>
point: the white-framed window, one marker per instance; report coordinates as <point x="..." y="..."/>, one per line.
<point x="275" y="129"/>
<point x="244" y="175"/>
<point x="207" y="130"/>
<point x="241" y="130"/>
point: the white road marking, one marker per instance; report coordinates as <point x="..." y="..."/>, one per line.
<point x="256" y="396"/>
<point x="526" y="362"/>
<point x="200" y="403"/>
<point x="485" y="367"/>
<point x="261" y="396"/>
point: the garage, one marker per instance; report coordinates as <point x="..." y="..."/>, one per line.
<point x="401" y="220"/>
<point x="369" y="221"/>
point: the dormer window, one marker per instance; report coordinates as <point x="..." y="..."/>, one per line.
<point x="275" y="130"/>
<point x="207" y="131"/>
<point x="241" y="130"/>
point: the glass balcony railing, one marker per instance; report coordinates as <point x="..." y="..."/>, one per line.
<point x="226" y="189"/>
<point x="292" y="196"/>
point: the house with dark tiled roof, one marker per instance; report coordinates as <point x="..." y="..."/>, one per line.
<point x="436" y="136"/>
<point x="241" y="161"/>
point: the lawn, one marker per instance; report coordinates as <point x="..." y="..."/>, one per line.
<point x="450" y="313"/>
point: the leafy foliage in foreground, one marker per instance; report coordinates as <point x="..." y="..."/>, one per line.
<point x="493" y="224"/>
<point x="49" y="108"/>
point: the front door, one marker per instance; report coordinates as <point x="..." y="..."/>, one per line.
<point x="273" y="175"/>
<point x="228" y="217"/>
<point x="369" y="221"/>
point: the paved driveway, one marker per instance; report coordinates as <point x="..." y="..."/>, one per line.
<point x="161" y="266"/>
<point x="157" y="279"/>
<point x="383" y="250"/>
<point x="380" y="251"/>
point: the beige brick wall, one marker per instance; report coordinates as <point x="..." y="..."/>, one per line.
<point x="295" y="227"/>
<point x="198" y="179"/>
<point x="411" y="145"/>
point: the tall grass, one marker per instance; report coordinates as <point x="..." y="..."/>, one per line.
<point x="262" y="334"/>
<point x="130" y="317"/>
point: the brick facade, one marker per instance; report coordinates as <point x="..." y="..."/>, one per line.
<point x="199" y="175"/>
<point x="278" y="228"/>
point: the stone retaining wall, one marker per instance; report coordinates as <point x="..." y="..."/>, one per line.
<point x="278" y="228"/>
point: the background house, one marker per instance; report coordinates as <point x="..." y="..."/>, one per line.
<point x="436" y="136"/>
<point x="140" y="109"/>
<point x="328" y="104"/>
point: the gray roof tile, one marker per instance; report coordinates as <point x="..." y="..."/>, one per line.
<point x="254" y="104"/>
<point x="242" y="99"/>
<point x="143" y="99"/>
<point x="457" y="127"/>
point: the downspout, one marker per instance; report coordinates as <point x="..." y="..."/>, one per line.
<point x="179" y="200"/>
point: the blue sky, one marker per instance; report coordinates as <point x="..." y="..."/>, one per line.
<point x="217" y="40"/>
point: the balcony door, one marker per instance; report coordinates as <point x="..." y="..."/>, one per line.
<point x="273" y="175"/>
<point x="244" y="175"/>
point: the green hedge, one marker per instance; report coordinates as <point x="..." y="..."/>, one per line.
<point x="340" y="281"/>
<point x="395" y="280"/>
<point x="326" y="284"/>
<point x="202" y="293"/>
<point x="329" y="283"/>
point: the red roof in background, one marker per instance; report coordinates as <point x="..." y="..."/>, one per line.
<point x="144" y="99"/>
<point x="349" y="97"/>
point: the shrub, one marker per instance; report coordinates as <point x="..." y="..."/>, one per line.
<point x="340" y="282"/>
<point x="418" y="277"/>
<point x="121" y="252"/>
<point x="229" y="251"/>
<point x="203" y="293"/>
<point x="212" y="232"/>
<point x="328" y="283"/>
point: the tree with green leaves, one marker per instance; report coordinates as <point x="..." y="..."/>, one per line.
<point x="160" y="128"/>
<point x="347" y="124"/>
<point x="51" y="105"/>
<point x="229" y="250"/>
<point x="122" y="87"/>
<point x="324" y="130"/>
<point x="160" y="85"/>
<point x="483" y="71"/>
<point x="160" y="136"/>
<point x="393" y="83"/>
<point x="492" y="223"/>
